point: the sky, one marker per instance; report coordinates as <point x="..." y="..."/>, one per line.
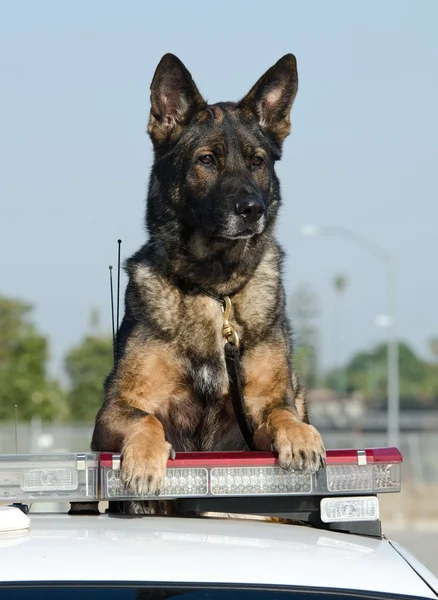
<point x="363" y="154"/>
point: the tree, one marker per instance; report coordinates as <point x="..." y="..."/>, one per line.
<point x="429" y="388"/>
<point x="87" y="365"/>
<point x="304" y="312"/>
<point x="367" y="373"/>
<point x="23" y="366"/>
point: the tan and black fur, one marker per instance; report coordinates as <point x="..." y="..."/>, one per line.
<point x="212" y="205"/>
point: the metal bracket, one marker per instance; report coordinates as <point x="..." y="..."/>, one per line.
<point x="81" y="465"/>
<point x="81" y="462"/>
<point x="361" y="458"/>
<point x="84" y="508"/>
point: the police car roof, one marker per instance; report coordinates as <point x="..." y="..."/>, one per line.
<point x="106" y="548"/>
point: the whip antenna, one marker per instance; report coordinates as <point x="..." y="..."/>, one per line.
<point x="112" y="310"/>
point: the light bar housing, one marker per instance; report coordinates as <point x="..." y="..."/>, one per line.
<point x="67" y="477"/>
<point x="77" y="477"/>
<point x="227" y="474"/>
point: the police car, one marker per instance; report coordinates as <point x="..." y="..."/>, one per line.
<point x="331" y="545"/>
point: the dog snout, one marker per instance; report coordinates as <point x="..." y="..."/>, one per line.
<point x="251" y="208"/>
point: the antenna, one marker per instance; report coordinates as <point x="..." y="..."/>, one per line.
<point x="16" y="429"/>
<point x="118" y="290"/>
<point x="112" y="310"/>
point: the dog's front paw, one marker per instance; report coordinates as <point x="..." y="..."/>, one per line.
<point x="299" y="445"/>
<point x="145" y="455"/>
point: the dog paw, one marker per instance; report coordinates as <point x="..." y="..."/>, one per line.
<point x="145" y="455"/>
<point x="299" y="445"/>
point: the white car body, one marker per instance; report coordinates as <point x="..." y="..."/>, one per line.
<point x="114" y="549"/>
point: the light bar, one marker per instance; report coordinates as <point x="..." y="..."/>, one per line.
<point x="75" y="477"/>
<point x="36" y="477"/>
<point x="225" y="474"/>
<point x="359" y="508"/>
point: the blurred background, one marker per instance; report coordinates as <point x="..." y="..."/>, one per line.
<point x="358" y="222"/>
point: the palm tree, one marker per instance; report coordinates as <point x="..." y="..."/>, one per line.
<point x="340" y="285"/>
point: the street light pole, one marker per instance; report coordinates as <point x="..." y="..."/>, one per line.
<point x="393" y="392"/>
<point x="393" y="424"/>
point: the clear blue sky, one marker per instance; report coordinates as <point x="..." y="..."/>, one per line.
<point x="363" y="153"/>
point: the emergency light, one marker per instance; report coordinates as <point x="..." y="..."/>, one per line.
<point x="347" y="485"/>
<point x="222" y="474"/>
<point x="65" y="477"/>
<point x="341" y="496"/>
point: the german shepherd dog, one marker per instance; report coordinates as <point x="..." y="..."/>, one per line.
<point x="212" y="204"/>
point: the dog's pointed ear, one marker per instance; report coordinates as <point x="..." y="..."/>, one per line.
<point x="174" y="100"/>
<point x="271" y="98"/>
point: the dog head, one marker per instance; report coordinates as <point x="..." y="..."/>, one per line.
<point x="214" y="164"/>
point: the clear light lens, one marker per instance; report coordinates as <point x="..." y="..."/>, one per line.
<point x="258" y="481"/>
<point x="179" y="483"/>
<point x="387" y="477"/>
<point x="345" y="478"/>
<point x="373" y="477"/>
<point x="37" y="480"/>
<point x="64" y="477"/>
<point x="360" y="508"/>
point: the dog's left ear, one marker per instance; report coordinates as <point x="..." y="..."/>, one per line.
<point x="272" y="96"/>
<point x="174" y="100"/>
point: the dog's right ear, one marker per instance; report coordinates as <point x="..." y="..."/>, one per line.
<point x="174" y="100"/>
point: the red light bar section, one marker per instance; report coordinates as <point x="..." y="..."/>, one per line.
<point x="373" y="455"/>
<point x="220" y="459"/>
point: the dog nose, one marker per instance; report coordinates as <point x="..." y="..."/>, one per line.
<point x="250" y="208"/>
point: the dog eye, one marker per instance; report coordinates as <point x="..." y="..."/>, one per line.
<point x="257" y="161"/>
<point x="206" y="159"/>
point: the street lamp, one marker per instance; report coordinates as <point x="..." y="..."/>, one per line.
<point x="393" y="422"/>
